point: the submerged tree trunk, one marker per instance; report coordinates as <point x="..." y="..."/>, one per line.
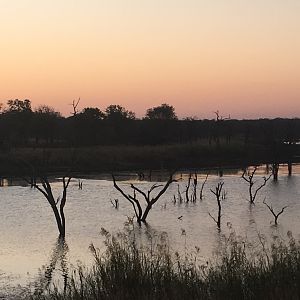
<point x="290" y="168"/>
<point x="218" y="192"/>
<point x="275" y="169"/>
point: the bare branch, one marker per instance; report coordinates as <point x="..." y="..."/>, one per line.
<point x="187" y="188"/>
<point x="141" y="216"/>
<point x="131" y="199"/>
<point x="74" y="105"/>
<point x="266" y="179"/>
<point x="164" y="189"/>
<point x="213" y="218"/>
<point x="273" y="212"/>
<point x="140" y="191"/>
<point x="249" y="177"/>
<point x="155" y="186"/>
<point x="218" y="192"/>
<point x="202" y="186"/>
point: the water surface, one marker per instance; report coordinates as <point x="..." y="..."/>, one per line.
<point x="29" y="234"/>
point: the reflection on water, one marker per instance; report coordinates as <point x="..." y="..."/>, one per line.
<point x="57" y="267"/>
<point x="28" y="227"/>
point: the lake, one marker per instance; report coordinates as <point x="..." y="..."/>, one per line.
<point x="29" y="232"/>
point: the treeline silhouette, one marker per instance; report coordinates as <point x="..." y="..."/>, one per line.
<point x="21" y="126"/>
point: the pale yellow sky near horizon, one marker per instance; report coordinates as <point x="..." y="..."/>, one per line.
<point x="239" y="57"/>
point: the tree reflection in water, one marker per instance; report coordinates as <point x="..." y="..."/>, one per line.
<point x="57" y="267"/>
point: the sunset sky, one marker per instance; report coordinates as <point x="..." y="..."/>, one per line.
<point x="241" y="57"/>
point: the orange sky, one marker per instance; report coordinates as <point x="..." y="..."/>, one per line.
<point x="240" y="57"/>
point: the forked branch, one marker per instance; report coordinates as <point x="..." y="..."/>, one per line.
<point x="218" y="194"/>
<point x="273" y="212"/>
<point x="248" y="176"/>
<point x="46" y="190"/>
<point x="141" y="214"/>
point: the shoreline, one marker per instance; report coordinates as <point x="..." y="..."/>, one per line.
<point x="128" y="158"/>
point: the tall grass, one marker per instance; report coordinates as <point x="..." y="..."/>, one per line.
<point x="241" y="270"/>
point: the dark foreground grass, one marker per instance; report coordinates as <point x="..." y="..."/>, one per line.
<point x="240" y="271"/>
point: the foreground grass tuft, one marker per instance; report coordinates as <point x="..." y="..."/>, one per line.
<point x="240" y="271"/>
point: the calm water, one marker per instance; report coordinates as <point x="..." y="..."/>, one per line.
<point x="28" y="236"/>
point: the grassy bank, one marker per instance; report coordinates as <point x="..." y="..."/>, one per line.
<point x="240" y="271"/>
<point x="131" y="158"/>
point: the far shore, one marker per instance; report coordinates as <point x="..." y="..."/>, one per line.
<point x="137" y="159"/>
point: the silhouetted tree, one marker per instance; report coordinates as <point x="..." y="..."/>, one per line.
<point x="275" y="169"/>
<point x="117" y="112"/>
<point x="202" y="186"/>
<point x="187" y="188"/>
<point x="275" y="215"/>
<point x="141" y="214"/>
<point x="17" y="121"/>
<point x="45" y="123"/>
<point x="92" y="113"/>
<point x="218" y="193"/>
<point x="19" y="105"/>
<point x="46" y="190"/>
<point x="249" y="177"/>
<point x="162" y="112"/>
<point x="74" y="106"/>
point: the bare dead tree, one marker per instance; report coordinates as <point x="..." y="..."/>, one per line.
<point x="219" y="120"/>
<point x="187" y="197"/>
<point x="218" y="193"/>
<point x="115" y="203"/>
<point x="140" y="213"/>
<point x="217" y="115"/>
<point x="195" y="183"/>
<point x="46" y="190"/>
<point x="249" y="177"/>
<point x="202" y="186"/>
<point x="74" y="106"/>
<point x="179" y="197"/>
<point x="80" y="184"/>
<point x="272" y="211"/>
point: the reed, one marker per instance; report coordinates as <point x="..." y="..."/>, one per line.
<point x="240" y="270"/>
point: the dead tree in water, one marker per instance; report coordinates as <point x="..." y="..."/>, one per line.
<point x="80" y="183"/>
<point x="46" y="190"/>
<point x="275" y="169"/>
<point x="115" y="203"/>
<point x="193" y="196"/>
<point x="195" y="183"/>
<point x="290" y="168"/>
<point x="141" y="215"/>
<point x="202" y="187"/>
<point x="187" y="197"/>
<point x="272" y="211"/>
<point x="180" y="200"/>
<point x="249" y="177"/>
<point x="218" y="193"/>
